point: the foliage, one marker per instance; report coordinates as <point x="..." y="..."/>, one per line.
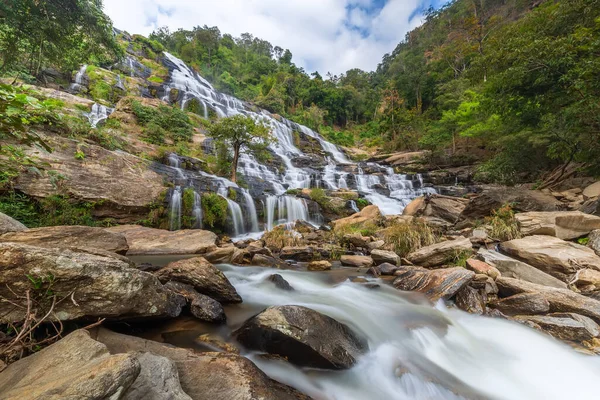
<point x="280" y="237"/>
<point x="214" y="210"/>
<point x="163" y="123"/>
<point x="503" y="224"/>
<point x="405" y="238"/>
<point x="243" y="135"/>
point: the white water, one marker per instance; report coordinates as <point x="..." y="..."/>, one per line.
<point x="287" y="208"/>
<point x="237" y="219"/>
<point x="197" y="211"/>
<point x="175" y="209"/>
<point x="418" y="351"/>
<point x="99" y="113"/>
<point x="76" y="86"/>
<point x="251" y="209"/>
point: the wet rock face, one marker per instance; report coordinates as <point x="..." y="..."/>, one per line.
<point x="70" y="236"/>
<point x="203" y="276"/>
<point x="96" y="285"/>
<point x="304" y="336"/>
<point x="435" y="284"/>
<point x="76" y="367"/>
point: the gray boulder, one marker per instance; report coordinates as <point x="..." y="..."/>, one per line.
<point x="439" y="253"/>
<point x="8" y="224"/>
<point x="158" y="380"/>
<point x="381" y="256"/>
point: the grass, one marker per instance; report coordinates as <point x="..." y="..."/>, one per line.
<point x="503" y="224"/>
<point x="279" y="238"/>
<point x="405" y="238"/>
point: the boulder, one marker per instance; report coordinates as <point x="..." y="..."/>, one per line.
<point x="564" y="326"/>
<point x="554" y="256"/>
<point x="92" y="286"/>
<point x="303" y="336"/>
<point x="407" y="158"/>
<point x="594" y="241"/>
<point x="565" y="225"/>
<point x="592" y="191"/>
<point x="222" y="255"/>
<point x="8" y="224"/>
<point x="319" y="266"/>
<point x="523" y="303"/>
<point x="480" y="267"/>
<point x="201" y="306"/>
<point x="122" y="186"/>
<point x="357" y="240"/>
<point x="203" y="276"/>
<point x="382" y="256"/>
<point x="436" y="206"/>
<point x="512" y="268"/>
<point x="587" y="280"/>
<point x="357" y="261"/>
<point x="415" y="207"/>
<point x="149" y="241"/>
<point x="70" y="237"/>
<point x="75" y="367"/>
<point x="370" y="214"/>
<point x="439" y="253"/>
<point x="206" y="376"/>
<point x="261" y="260"/>
<point x="158" y="380"/>
<point x="560" y="300"/>
<point x="435" y="284"/>
<point x="470" y="300"/>
<point x="280" y="282"/>
<point x="385" y="269"/>
<point x="297" y="253"/>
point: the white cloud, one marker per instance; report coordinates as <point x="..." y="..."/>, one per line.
<point x="323" y="35"/>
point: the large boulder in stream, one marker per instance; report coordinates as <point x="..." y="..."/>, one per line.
<point x="204" y="277"/>
<point x="553" y="256"/>
<point x="435" y="284"/>
<point x="121" y="186"/>
<point x="70" y="236"/>
<point x="85" y="285"/>
<point x="150" y="241"/>
<point x="201" y="306"/>
<point x="440" y="253"/>
<point x="566" y="225"/>
<point x="564" y="326"/>
<point x="206" y="376"/>
<point x="304" y="336"/>
<point x="75" y="367"/>
<point x="8" y="224"/>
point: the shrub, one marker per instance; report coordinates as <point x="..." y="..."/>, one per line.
<point x="405" y="238"/>
<point x="280" y="237"/>
<point x="163" y="122"/>
<point x="214" y="210"/>
<point x="503" y="224"/>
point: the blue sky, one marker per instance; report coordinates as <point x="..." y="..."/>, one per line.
<point x="324" y="35"/>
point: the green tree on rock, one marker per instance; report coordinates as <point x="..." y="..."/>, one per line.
<point x="242" y="134"/>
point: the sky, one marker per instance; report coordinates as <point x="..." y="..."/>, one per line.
<point x="323" y="35"/>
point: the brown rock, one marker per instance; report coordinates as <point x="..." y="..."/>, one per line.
<point x="565" y="326"/>
<point x="70" y="237"/>
<point x="480" y="267"/>
<point x="523" y="303"/>
<point x="357" y="240"/>
<point x="367" y="214"/>
<point x="594" y="241"/>
<point x="439" y="253"/>
<point x="319" y="266"/>
<point x="470" y="300"/>
<point x="261" y="260"/>
<point x="435" y="284"/>
<point x="357" y="261"/>
<point x="149" y="241"/>
<point x="382" y="257"/>
<point x="8" y="224"/>
<point x="203" y="276"/>
<point x="297" y="253"/>
<point x="592" y="191"/>
<point x="222" y="255"/>
<point x="565" y="225"/>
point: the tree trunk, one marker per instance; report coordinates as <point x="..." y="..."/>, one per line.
<point x="234" y="164"/>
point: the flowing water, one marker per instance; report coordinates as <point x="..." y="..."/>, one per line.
<point x="417" y="351"/>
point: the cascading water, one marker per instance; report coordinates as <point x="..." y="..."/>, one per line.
<point x="197" y="211"/>
<point x="78" y="84"/>
<point x="416" y="351"/>
<point x="287" y="208"/>
<point x="237" y="219"/>
<point x="251" y="209"/>
<point x="98" y="114"/>
<point x="175" y="209"/>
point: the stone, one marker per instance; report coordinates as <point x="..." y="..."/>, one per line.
<point x="439" y="253"/>
<point x="566" y="225"/>
<point x="554" y="256"/>
<point x="222" y="255"/>
<point x="203" y="276"/>
<point x="523" y="303"/>
<point x="382" y="256"/>
<point x="8" y="224"/>
<point x="70" y="237"/>
<point x="297" y="253"/>
<point x="587" y="280"/>
<point x="415" y="207"/>
<point x="565" y="326"/>
<point x="480" y="267"/>
<point x="445" y="207"/>
<point x="377" y="244"/>
<point x="357" y="240"/>
<point x="319" y="266"/>
<point x="370" y="214"/>
<point x="202" y="307"/>
<point x="158" y="380"/>
<point x="93" y="286"/>
<point x="303" y="336"/>
<point x="512" y="268"/>
<point x="435" y="284"/>
<point x="356" y="261"/>
<point x="407" y="158"/>
<point x="387" y="269"/>
<point x="75" y="367"/>
<point x="206" y="376"/>
<point x="150" y="241"/>
<point x="470" y="300"/>
<point x="258" y="247"/>
<point x="261" y="260"/>
<point x="592" y="191"/>
<point x="280" y="282"/>
<point x="122" y="186"/>
<point x="216" y="343"/>
<point x="561" y="300"/>
<point x="594" y="241"/>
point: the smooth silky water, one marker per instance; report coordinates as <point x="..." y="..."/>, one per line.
<point x="416" y="350"/>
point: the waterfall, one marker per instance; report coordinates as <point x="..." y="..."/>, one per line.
<point x="353" y="206"/>
<point x="76" y="86"/>
<point x="251" y="209"/>
<point x="197" y="211"/>
<point x="235" y="212"/>
<point x="288" y="208"/>
<point x="175" y="163"/>
<point x="175" y="209"/>
<point x="98" y="114"/>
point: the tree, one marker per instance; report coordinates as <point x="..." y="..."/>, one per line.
<point x="242" y="134"/>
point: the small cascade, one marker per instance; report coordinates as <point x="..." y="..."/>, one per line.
<point x="175" y="163"/>
<point x="175" y="209"/>
<point x="120" y="85"/>
<point x="287" y="208"/>
<point x="353" y="206"/>
<point x="78" y="84"/>
<point x="251" y="209"/>
<point x="98" y="114"/>
<point x="197" y="210"/>
<point x="235" y="212"/>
